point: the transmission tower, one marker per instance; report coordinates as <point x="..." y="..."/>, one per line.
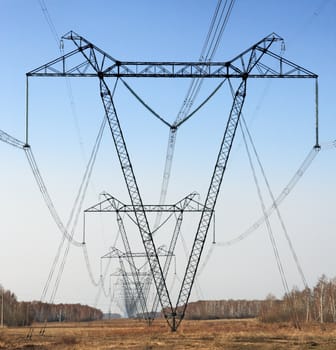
<point x="134" y="294"/>
<point x="255" y="62"/>
<point x="110" y="204"/>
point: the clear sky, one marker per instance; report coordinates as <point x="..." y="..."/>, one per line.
<point x="64" y="124"/>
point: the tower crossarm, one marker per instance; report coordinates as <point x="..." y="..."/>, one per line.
<point x="116" y="253"/>
<point x="73" y="65"/>
<point x="119" y="273"/>
<point x="187" y="204"/>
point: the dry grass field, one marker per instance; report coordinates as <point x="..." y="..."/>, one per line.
<point x="132" y="334"/>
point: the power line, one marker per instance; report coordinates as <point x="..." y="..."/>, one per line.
<point x="277" y="201"/>
<point x="269" y="228"/>
<point x="10" y="140"/>
<point x="194" y="88"/>
<point x="60" y="45"/>
<point x="78" y="205"/>
<point x="45" y="194"/>
<point x="283" y="226"/>
<point x="50" y="24"/>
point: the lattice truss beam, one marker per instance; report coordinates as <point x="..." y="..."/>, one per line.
<point x="87" y="60"/>
<point x="272" y="66"/>
<point x="112" y="204"/>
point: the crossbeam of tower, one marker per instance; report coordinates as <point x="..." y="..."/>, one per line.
<point x="112" y="204"/>
<point x="116" y="253"/>
<point x="87" y="60"/>
<point x="108" y="67"/>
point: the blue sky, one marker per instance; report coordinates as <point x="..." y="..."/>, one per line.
<point x="280" y="114"/>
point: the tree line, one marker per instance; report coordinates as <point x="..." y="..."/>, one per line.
<point x="317" y="304"/>
<point x="22" y="313"/>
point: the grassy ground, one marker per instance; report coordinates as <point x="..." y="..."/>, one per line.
<point x="136" y="335"/>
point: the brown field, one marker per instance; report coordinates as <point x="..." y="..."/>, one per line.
<point x="132" y="334"/>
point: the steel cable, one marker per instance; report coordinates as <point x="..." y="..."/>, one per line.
<point x="88" y="266"/>
<point x="50" y="23"/>
<point x="101" y="285"/>
<point x="4" y="137"/>
<point x="59" y="43"/>
<point x="223" y="25"/>
<point x="212" y="24"/>
<point x="276" y="203"/>
<point x="278" y="200"/>
<point x="181" y="121"/>
<point x="45" y="194"/>
<point x="79" y="202"/>
<point x="144" y="103"/>
<point x="192" y="92"/>
<point x="284" y="193"/>
<point x="206" y="55"/>
<point x="268" y="225"/>
<point x="283" y="226"/>
<point x="243" y="125"/>
<point x="107" y="294"/>
<point x="52" y="269"/>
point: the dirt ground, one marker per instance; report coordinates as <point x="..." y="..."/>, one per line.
<point x="133" y="334"/>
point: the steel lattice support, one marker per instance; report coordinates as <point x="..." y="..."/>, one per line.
<point x="111" y="204"/>
<point x="171" y="248"/>
<point x="246" y="65"/>
<point x="210" y="202"/>
<point x="107" y="66"/>
<point x="127" y="168"/>
<point x="214" y="187"/>
<point x="133" y="277"/>
<point x="135" y="197"/>
<point x="130" y="300"/>
<point x="186" y="204"/>
<point x="135" y="273"/>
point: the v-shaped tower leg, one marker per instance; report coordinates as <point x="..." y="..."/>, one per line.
<point x="135" y="197"/>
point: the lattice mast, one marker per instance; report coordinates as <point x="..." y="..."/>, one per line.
<point x="135" y="273"/>
<point x="246" y="65"/>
